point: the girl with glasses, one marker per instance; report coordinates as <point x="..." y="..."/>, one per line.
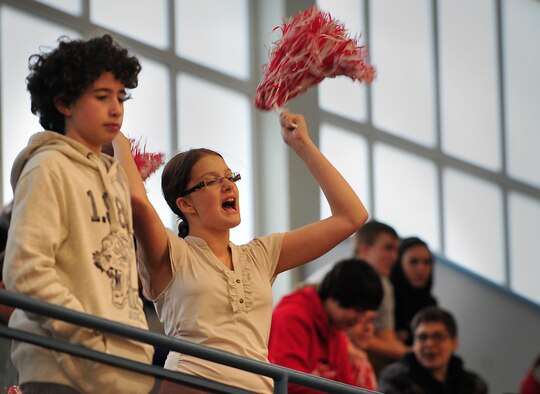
<point x="207" y="289"/>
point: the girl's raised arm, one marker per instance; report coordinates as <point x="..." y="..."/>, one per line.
<point x="149" y="230"/>
<point x="307" y="243"/>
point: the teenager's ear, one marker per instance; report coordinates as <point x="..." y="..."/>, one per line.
<point x="361" y="250"/>
<point x="455" y="343"/>
<point x="184" y="204"/>
<point x="61" y="106"/>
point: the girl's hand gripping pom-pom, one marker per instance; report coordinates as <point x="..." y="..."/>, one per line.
<point x="314" y="46"/>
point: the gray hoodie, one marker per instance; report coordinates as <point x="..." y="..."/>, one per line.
<point x="71" y="244"/>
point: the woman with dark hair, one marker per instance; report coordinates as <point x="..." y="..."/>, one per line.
<point x="412" y="278"/>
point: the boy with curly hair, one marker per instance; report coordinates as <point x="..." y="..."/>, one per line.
<point x="71" y="236"/>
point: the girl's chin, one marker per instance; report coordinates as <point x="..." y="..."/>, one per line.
<point x="236" y="223"/>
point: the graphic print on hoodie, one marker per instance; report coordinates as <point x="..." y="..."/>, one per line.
<point x="71" y="244"/>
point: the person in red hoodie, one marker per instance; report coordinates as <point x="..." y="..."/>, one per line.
<point x="307" y="325"/>
<point x="531" y="382"/>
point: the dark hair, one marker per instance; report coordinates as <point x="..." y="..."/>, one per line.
<point x="408" y="243"/>
<point x="409" y="299"/>
<point x="353" y="283"/>
<point x="433" y="314"/>
<point x="65" y="72"/>
<point x="175" y="178"/>
<point x="369" y="232"/>
<point x="397" y="276"/>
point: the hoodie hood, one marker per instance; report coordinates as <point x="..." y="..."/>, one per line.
<point x="307" y="301"/>
<point x="51" y="140"/>
<point x="301" y="337"/>
<point x="107" y="167"/>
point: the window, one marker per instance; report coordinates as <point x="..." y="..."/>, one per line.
<point x="469" y="82"/>
<point x="402" y="50"/>
<point x="206" y="34"/>
<point x="22" y="35"/>
<point x="73" y="7"/>
<point x="144" y="20"/>
<point x="217" y="118"/>
<point x="341" y="95"/>
<point x="523" y="230"/>
<point x="348" y="153"/>
<point x="406" y="193"/>
<point x="148" y="119"/>
<point x="522" y="87"/>
<point x="473" y="217"/>
<point x="442" y="145"/>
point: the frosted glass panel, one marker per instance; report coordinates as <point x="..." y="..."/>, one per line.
<point x="214" y="33"/>
<point x="214" y="117"/>
<point x="348" y="153"/>
<point x="341" y="95"/>
<point x="521" y="19"/>
<point x="469" y="84"/>
<point x="73" y="7"/>
<point x="402" y="51"/>
<point x="147" y="118"/>
<point x="143" y="20"/>
<point x="524" y="230"/>
<point x="406" y="194"/>
<point x="21" y="36"/>
<point x="348" y="12"/>
<point x="474" y="227"/>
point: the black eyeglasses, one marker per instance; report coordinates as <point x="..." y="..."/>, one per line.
<point x="234" y="177"/>
<point x="437" y="337"/>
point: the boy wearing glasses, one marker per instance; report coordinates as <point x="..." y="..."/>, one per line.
<point x="432" y="367"/>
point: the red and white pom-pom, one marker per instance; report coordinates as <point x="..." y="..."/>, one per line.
<point x="314" y="46"/>
<point x="14" y="390"/>
<point x="147" y="163"/>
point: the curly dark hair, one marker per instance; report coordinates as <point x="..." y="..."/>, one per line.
<point x="67" y="71"/>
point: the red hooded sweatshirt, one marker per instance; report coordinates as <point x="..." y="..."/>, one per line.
<point x="302" y="338"/>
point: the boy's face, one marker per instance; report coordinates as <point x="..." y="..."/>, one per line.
<point x="363" y="331"/>
<point x="342" y="318"/>
<point x="433" y="346"/>
<point x="382" y="255"/>
<point x="95" y="118"/>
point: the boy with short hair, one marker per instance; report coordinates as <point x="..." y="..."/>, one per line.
<point x="71" y="237"/>
<point x="377" y="243"/>
<point x="432" y="367"/>
<point x="307" y="331"/>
